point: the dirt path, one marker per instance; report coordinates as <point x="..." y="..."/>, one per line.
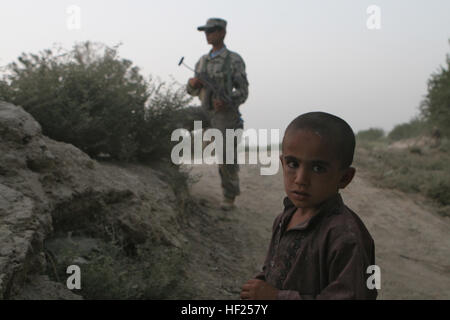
<point x="412" y="243"/>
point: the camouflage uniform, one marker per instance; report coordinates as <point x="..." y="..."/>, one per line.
<point x="227" y="69"/>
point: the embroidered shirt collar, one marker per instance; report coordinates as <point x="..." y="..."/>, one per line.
<point x="330" y="206"/>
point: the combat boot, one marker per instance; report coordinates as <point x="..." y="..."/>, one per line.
<point x="227" y="204"/>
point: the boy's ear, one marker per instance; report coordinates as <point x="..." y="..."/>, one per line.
<point x="347" y="177"/>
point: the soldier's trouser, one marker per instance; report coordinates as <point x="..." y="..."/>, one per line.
<point x="192" y="114"/>
<point x="229" y="174"/>
<point x="228" y="119"/>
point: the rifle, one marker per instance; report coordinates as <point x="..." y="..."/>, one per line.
<point x="211" y="85"/>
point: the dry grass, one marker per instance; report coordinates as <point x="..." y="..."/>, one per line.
<point x="421" y="169"/>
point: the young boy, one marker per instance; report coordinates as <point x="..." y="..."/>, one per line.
<point x="320" y="249"/>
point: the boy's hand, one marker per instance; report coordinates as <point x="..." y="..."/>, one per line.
<point x="255" y="289"/>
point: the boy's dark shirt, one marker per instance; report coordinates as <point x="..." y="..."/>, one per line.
<point x="325" y="257"/>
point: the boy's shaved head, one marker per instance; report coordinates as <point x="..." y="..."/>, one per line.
<point x="331" y="128"/>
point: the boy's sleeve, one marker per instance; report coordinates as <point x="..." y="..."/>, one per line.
<point x="348" y="261"/>
<point x="262" y="275"/>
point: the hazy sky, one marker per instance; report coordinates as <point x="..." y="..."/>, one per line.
<point x="301" y="55"/>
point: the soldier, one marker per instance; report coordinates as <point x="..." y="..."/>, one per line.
<point x="227" y="69"/>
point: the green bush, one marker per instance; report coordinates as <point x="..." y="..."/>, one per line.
<point x="95" y="100"/>
<point x="414" y="128"/>
<point x="165" y="112"/>
<point x="436" y="105"/>
<point x="440" y="191"/>
<point x="371" y="134"/>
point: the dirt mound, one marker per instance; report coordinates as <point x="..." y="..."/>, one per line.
<point x="417" y="142"/>
<point x="52" y="190"/>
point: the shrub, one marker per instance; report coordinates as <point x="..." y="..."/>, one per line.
<point x="95" y="100"/>
<point x="440" y="191"/>
<point x="414" y="128"/>
<point x="415" y="150"/>
<point x="165" y="112"/>
<point x="371" y="134"/>
<point x="436" y="105"/>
